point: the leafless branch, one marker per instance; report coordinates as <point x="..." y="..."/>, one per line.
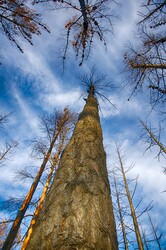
<point x="7" y="151"/>
<point x="90" y="20"/>
<point x="153" y="140"/>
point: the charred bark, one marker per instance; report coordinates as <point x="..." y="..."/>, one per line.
<point x="78" y="213"/>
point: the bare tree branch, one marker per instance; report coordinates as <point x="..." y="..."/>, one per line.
<point x="152" y="140"/>
<point x="65" y="119"/>
<point x="4" y="118"/>
<point x="147" y="62"/>
<point x="7" y="151"/>
<point x="91" y="19"/>
<point x="17" y="20"/>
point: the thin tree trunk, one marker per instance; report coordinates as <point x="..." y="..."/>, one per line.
<point x="157" y="142"/>
<point x="157" y="239"/>
<point x="78" y="213"/>
<point x="121" y="216"/>
<point x="5" y="153"/>
<point x="145" y="240"/>
<point x="43" y="196"/>
<point x="134" y="217"/>
<point x="8" y="149"/>
<point x="20" y="215"/>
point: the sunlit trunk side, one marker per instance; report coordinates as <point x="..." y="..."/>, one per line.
<point x="133" y="214"/>
<point x="78" y="213"/>
<point x="44" y="193"/>
<point x="20" y="215"/>
<point x="121" y="216"/>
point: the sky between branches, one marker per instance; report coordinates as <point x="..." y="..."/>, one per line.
<point x="32" y="83"/>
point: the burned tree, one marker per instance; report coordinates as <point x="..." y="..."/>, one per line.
<point x="77" y="213"/>
<point x="130" y="202"/>
<point x="3" y="229"/>
<point x="52" y="170"/>
<point x="157" y="238"/>
<point x="4" y="118"/>
<point x="88" y="20"/>
<point x="120" y="214"/>
<point x="17" y="20"/>
<point x="147" y="62"/>
<point x="153" y="140"/>
<point x="6" y="150"/>
<point x="59" y="121"/>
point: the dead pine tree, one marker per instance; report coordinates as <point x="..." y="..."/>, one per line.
<point x="154" y="231"/>
<point x="6" y="150"/>
<point x="3" y="229"/>
<point x="88" y="20"/>
<point x="4" y="225"/>
<point x="60" y="122"/>
<point x="120" y="211"/>
<point x="17" y="20"/>
<point x="146" y="63"/>
<point x="78" y="213"/>
<point x="132" y="208"/>
<point x="153" y="140"/>
<point x="54" y="163"/>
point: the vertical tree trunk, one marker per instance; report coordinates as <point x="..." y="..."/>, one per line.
<point x="44" y="193"/>
<point x="21" y="212"/>
<point x="78" y="213"/>
<point x="145" y="240"/>
<point x="157" y="238"/>
<point x="121" y="216"/>
<point x="133" y="214"/>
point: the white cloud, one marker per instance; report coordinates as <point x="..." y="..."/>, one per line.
<point x="18" y="161"/>
<point x="40" y="64"/>
<point x="62" y="99"/>
<point x="26" y="113"/>
<point x="151" y="180"/>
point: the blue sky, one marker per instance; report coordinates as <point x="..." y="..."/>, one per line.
<point x="32" y="82"/>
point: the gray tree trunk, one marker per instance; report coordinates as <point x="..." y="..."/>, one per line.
<point x="132" y="208"/>
<point x="78" y="213"/>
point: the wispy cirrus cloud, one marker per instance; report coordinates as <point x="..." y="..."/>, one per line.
<point x="35" y="84"/>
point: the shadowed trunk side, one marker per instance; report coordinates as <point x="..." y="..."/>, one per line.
<point x="78" y="213"/>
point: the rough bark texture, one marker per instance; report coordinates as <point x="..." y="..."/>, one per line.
<point x="78" y="213"/>
<point x="21" y="212"/>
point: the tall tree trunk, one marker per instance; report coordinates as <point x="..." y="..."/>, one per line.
<point x="78" y="213"/>
<point x="20" y="215"/>
<point x="121" y="215"/>
<point x="44" y="193"/>
<point x="157" y="238"/>
<point x="133" y="214"/>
